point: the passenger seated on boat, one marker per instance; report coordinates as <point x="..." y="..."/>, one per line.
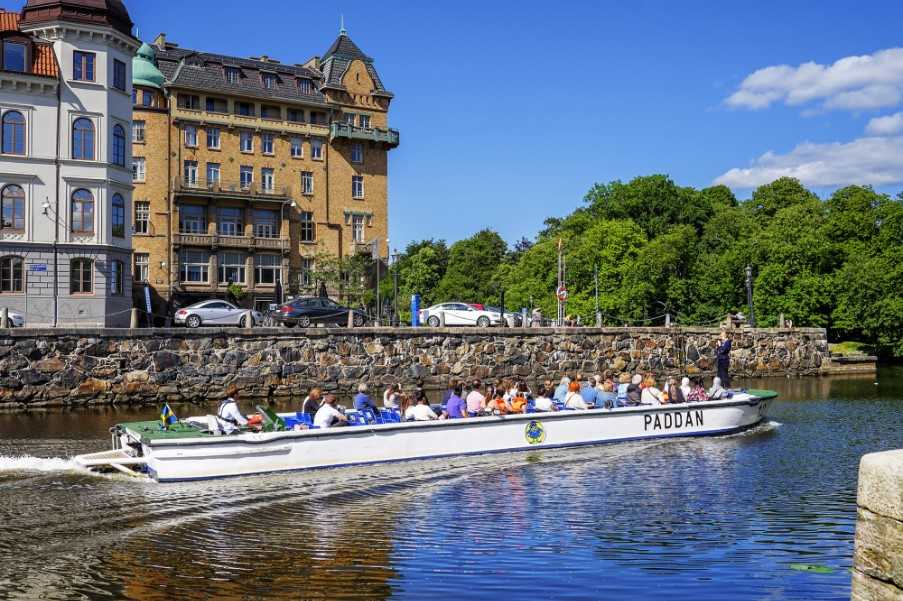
<point x="456" y="407"/>
<point x="635" y="390"/>
<point x="685" y="387"/>
<point x="561" y="392"/>
<point x="420" y="412"/>
<point x="588" y="392"/>
<point x="476" y="400"/>
<point x="573" y="400"/>
<point x="328" y="416"/>
<point x="716" y="391"/>
<point x="312" y="401"/>
<point x="228" y="416"/>
<point x="446" y="394"/>
<point x="543" y="401"/>
<point x="674" y="394"/>
<point x="498" y="405"/>
<point x="623" y="385"/>
<point x="650" y="394"/>
<point x="362" y="401"/>
<point x="606" y="397"/>
<point x="391" y="397"/>
<point x="519" y="400"/>
<point x="698" y="392"/>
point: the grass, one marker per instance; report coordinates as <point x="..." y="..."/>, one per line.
<point x="848" y="347"/>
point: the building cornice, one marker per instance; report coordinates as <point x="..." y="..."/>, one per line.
<point x="65" y="30"/>
<point x="28" y="83"/>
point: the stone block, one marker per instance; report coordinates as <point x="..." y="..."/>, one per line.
<point x="879" y="547"/>
<point x="866" y="588"/>
<point x="881" y="483"/>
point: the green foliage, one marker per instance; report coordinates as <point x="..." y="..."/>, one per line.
<point x="659" y="248"/>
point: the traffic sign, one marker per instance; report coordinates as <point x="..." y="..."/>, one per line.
<point x="562" y="293"/>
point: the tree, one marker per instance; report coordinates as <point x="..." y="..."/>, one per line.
<point x="472" y="264"/>
<point x="783" y="192"/>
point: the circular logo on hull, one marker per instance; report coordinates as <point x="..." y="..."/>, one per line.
<point x="535" y="433"/>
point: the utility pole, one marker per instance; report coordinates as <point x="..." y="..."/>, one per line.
<point x="596" y="281"/>
<point x="561" y="291"/>
<point x="749" y="296"/>
<point x="395" y="317"/>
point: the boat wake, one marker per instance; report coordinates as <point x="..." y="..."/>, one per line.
<point x="28" y="463"/>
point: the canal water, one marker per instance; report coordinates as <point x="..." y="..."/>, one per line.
<point x="769" y="513"/>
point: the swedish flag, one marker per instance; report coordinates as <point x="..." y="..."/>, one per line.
<point x="167" y="417"/>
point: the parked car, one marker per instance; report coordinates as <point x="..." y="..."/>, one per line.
<point x="214" y="313"/>
<point x="512" y="319"/>
<point x="16" y="320"/>
<point x="459" y="314"/>
<point x="309" y="310"/>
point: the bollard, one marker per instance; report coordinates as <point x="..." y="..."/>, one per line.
<point x="133" y="322"/>
<point x="441" y="319"/>
<point x="781" y="322"/>
<point x="350" y="318"/>
<point x="667" y="320"/>
<point x="4" y="318"/>
<point x="249" y="320"/>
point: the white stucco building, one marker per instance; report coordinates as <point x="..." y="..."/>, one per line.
<point x="65" y="162"/>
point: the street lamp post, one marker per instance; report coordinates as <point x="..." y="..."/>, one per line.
<point x="749" y="296"/>
<point x="395" y="318"/>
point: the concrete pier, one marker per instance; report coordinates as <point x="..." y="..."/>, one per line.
<point x="878" y="557"/>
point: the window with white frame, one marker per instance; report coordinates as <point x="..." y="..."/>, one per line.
<point x="194" y="266"/>
<point x="213" y="173"/>
<point x="141" y="272"/>
<point x="357" y="228"/>
<point x="348" y="118"/>
<point x="192" y="219"/>
<point x="316" y="149"/>
<point x="231" y="221"/>
<point x="357" y="153"/>
<point x="118" y="150"/>
<point x="246" y="176"/>
<point x="138" y="169"/>
<point x="267" y="179"/>
<point x="266" y="224"/>
<point x="267" y="269"/>
<point x="232" y="267"/>
<point x="246" y="141"/>
<point x="191" y="136"/>
<point x="307" y="182"/>
<point x="142" y="217"/>
<point x="138" y="131"/>
<point x="266" y="143"/>
<point x="364" y="121"/>
<point x="117" y="217"/>
<point x="297" y="147"/>
<point x="269" y="80"/>
<point x="304" y="86"/>
<point x="190" y="173"/>
<point x="357" y="186"/>
<point x="233" y="74"/>
<point x="213" y="138"/>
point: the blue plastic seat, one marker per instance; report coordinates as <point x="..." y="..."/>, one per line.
<point x="371" y="417"/>
<point x="305" y="418"/>
<point x="389" y="416"/>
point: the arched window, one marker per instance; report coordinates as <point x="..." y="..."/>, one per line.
<point x="80" y="276"/>
<point x="83" y="139"/>
<point x="118" y="145"/>
<point x="11" y="275"/>
<point x="118" y="216"/>
<point x="116" y="278"/>
<point x="82" y="212"/>
<point x="12" y="214"/>
<point x="13" y="133"/>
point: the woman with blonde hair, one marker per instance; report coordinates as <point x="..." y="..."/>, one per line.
<point x="650" y="395"/>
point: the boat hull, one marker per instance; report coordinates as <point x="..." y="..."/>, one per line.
<point x="256" y="453"/>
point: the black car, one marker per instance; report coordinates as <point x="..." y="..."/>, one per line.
<point x="314" y="309"/>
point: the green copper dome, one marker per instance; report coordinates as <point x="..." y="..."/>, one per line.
<point x="144" y="68"/>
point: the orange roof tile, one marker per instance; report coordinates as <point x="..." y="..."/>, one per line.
<point x="9" y="21"/>
<point x="45" y="61"/>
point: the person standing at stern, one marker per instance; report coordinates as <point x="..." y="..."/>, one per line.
<point x="723" y="358"/>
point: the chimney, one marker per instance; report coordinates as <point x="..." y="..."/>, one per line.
<point x="160" y="41"/>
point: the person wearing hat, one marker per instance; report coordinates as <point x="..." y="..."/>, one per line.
<point x="362" y="401"/>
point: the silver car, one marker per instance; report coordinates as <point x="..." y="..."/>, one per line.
<point x="16" y="320"/>
<point x="214" y="313"/>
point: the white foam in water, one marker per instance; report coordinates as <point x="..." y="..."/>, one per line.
<point x="27" y="463"/>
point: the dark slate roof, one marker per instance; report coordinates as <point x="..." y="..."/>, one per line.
<point x="345" y="48"/>
<point x="204" y="71"/>
<point x="336" y="60"/>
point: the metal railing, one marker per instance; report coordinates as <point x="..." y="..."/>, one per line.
<point x="389" y="137"/>
<point x="225" y="187"/>
<point x="218" y="241"/>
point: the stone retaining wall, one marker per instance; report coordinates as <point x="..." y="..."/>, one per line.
<point x="878" y="558"/>
<point x="38" y="368"/>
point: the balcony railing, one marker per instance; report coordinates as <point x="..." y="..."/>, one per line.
<point x="255" y="122"/>
<point x="389" y="137"/>
<point x="245" y="242"/>
<point x="233" y="188"/>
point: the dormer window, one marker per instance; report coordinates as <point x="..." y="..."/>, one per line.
<point x="269" y="80"/>
<point x="233" y="74"/>
<point x="304" y="86"/>
<point x="13" y="56"/>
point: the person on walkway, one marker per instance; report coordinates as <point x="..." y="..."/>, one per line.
<point x="476" y="400"/>
<point x="574" y="400"/>
<point x="420" y="412"/>
<point x="723" y="359"/>
<point x="363" y="402"/>
<point x="456" y="408"/>
<point x="561" y="392"/>
<point x="228" y="416"/>
<point x="328" y="416"/>
<point x="312" y="402"/>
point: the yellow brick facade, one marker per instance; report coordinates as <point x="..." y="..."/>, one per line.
<point x="346" y="208"/>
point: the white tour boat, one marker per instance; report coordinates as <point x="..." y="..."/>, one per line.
<point x="189" y="451"/>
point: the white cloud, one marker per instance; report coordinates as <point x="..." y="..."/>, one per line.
<point x="872" y="160"/>
<point x="885" y="126"/>
<point x="854" y="83"/>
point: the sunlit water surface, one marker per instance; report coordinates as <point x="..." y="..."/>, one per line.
<point x="716" y="518"/>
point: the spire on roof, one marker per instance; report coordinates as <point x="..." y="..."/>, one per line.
<point x="342" y="30"/>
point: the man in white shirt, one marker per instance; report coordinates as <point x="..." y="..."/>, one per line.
<point x="328" y="416"/>
<point x="420" y="412"/>
<point x="228" y="416"/>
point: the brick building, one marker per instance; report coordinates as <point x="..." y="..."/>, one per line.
<point x="245" y="169"/>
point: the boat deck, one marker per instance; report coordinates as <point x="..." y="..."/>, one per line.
<point x="151" y="430"/>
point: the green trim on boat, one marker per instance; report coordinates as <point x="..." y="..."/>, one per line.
<point x="763" y="394"/>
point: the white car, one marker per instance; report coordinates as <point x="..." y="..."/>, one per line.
<point x="459" y="314"/>
<point x="214" y="313"/>
<point x="16" y="320"/>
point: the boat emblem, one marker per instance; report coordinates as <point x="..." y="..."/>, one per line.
<point x="535" y="433"/>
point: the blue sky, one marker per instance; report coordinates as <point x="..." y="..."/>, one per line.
<point x="508" y="112"/>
